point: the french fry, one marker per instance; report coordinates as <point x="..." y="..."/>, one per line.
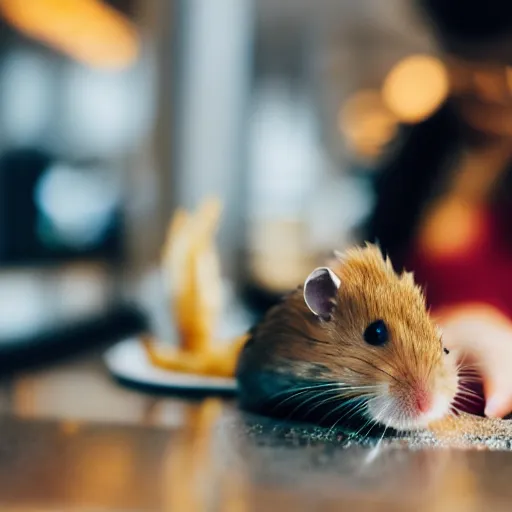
<point x="194" y="316"/>
<point x="174" y="249"/>
<point x="208" y="294"/>
<point x="219" y="363"/>
<point x="192" y="273"/>
<point x="176" y="359"/>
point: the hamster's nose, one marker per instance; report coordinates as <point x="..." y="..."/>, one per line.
<point x="423" y="400"/>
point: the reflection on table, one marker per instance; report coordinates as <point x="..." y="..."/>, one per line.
<point x="73" y="439"/>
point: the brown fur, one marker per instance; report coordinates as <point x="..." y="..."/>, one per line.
<point x="370" y="290"/>
<point x="291" y="341"/>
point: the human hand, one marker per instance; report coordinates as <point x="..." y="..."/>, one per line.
<point x="482" y="338"/>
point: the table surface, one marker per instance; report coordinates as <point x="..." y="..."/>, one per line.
<point x="72" y="439"/>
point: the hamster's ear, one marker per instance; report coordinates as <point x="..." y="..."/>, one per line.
<point x="320" y="289"/>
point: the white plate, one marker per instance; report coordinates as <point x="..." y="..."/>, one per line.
<point x="128" y="361"/>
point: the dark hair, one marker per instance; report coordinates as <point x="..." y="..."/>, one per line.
<point x="469" y="20"/>
<point x="417" y="168"/>
<point x="414" y="172"/>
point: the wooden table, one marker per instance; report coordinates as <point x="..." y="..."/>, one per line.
<point x="72" y="439"/>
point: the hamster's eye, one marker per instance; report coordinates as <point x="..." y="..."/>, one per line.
<point x="376" y="333"/>
<point x="446" y="351"/>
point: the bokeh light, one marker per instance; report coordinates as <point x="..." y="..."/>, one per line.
<point x="86" y="30"/>
<point x="366" y="123"/>
<point x="416" y="87"/>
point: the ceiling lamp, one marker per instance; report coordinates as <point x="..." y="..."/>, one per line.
<point x="86" y="30"/>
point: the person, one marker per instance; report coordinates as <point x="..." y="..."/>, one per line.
<point x="444" y="198"/>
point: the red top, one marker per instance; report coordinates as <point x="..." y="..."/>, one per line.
<point x="482" y="274"/>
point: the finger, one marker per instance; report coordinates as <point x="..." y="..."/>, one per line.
<point x="498" y="397"/>
<point x="498" y="406"/>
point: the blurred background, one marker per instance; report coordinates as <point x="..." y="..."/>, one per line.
<point x="113" y="113"/>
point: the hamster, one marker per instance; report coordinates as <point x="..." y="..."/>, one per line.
<point x="354" y="341"/>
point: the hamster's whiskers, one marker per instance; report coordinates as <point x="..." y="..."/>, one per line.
<point x="464" y="364"/>
<point x="463" y="367"/>
<point x="470" y="378"/>
<point x="296" y="392"/>
<point x="465" y="395"/>
<point x="349" y="391"/>
<point x="371" y="421"/>
<point x="455" y="407"/>
<point x="468" y="392"/>
<point x="374" y="452"/>
<point x="360" y="404"/>
<point x="300" y="388"/>
<point x="316" y="405"/>
<point x="401" y="382"/>
<point x="382" y="410"/>
<point x="331" y="387"/>
<point x="342" y="392"/>
<point x="466" y="400"/>
<point x="342" y="404"/>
